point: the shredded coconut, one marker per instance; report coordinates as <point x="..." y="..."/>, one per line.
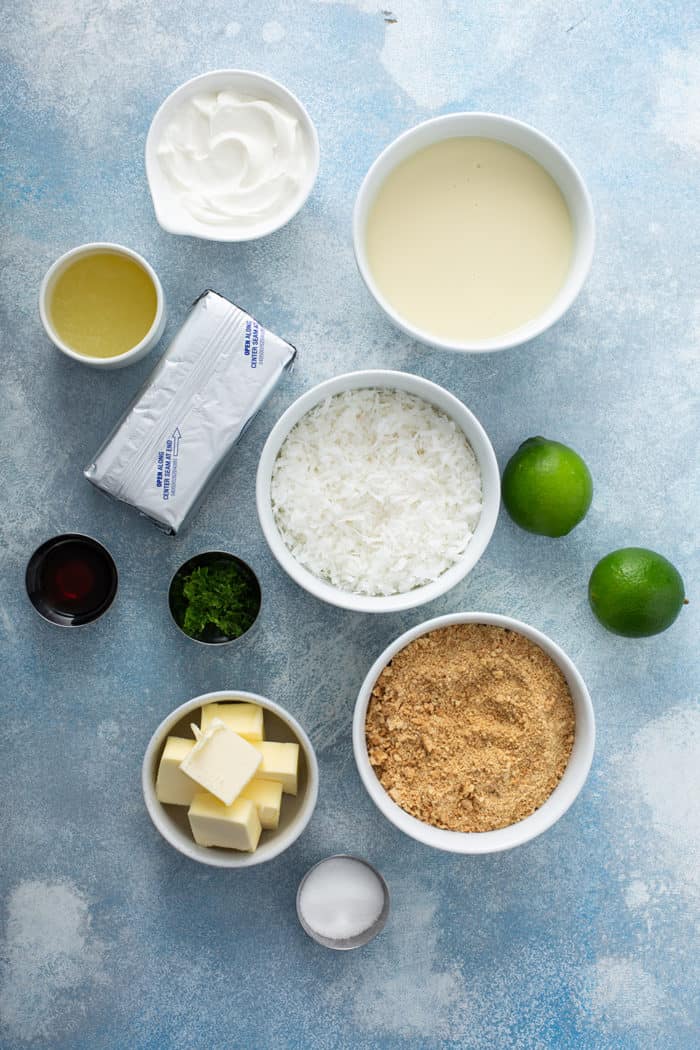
<point x="376" y="491"/>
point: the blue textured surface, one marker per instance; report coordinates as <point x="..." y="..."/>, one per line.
<point x="586" y="937"/>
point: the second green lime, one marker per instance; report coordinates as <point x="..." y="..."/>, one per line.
<point x="636" y="592"/>
<point x="547" y="487"/>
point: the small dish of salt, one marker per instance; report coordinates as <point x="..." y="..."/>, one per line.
<point x="343" y="902"/>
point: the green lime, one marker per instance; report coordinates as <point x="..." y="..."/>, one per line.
<point x="636" y="592"/>
<point x="547" y="488"/>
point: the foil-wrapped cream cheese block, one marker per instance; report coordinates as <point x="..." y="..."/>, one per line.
<point x="208" y="386"/>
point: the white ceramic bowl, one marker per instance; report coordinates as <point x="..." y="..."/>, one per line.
<point x="523" y="137"/>
<point x="249" y="83"/>
<point x="46" y="290"/>
<point x="171" y="821"/>
<point x="477" y="438"/>
<point x="515" y="834"/>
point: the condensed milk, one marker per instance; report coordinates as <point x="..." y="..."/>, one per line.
<point x="469" y="238"/>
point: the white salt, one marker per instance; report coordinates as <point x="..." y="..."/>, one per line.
<point x="341" y="898"/>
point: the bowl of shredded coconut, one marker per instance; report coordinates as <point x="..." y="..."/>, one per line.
<point x="377" y="491"/>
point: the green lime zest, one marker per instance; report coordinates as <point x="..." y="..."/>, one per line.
<point x="221" y="598"/>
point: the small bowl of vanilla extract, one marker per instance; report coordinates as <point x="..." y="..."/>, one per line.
<point x="71" y="580"/>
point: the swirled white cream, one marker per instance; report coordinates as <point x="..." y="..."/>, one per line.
<point x="231" y="160"/>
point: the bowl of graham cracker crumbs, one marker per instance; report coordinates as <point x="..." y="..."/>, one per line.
<point x="473" y="733"/>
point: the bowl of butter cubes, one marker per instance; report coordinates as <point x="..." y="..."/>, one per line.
<point x="230" y="779"/>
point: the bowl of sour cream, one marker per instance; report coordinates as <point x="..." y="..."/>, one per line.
<point x="231" y="155"/>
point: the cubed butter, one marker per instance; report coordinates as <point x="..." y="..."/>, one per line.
<point x="267" y="796"/>
<point x="279" y="762"/>
<point x="234" y="827"/>
<point x="222" y="762"/>
<point x="244" y="719"/>
<point x="173" y="786"/>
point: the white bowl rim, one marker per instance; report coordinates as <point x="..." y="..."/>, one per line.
<point x="91" y="248"/>
<point x="220" y="858"/>
<point x="526" y="332"/>
<point x="490" y="478"/>
<point x="524" y="830"/>
<point x="196" y="230"/>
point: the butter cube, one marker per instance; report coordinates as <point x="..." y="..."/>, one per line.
<point x="267" y="796"/>
<point x="234" y="827"/>
<point x="173" y="787"/>
<point x="279" y="762"/>
<point x="222" y="762"/>
<point x="244" y="719"/>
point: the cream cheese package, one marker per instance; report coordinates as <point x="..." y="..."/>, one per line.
<point x="208" y="386"/>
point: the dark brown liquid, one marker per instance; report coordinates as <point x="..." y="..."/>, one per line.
<point x="71" y="580"/>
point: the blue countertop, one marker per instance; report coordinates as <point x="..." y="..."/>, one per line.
<point x="587" y="937"/>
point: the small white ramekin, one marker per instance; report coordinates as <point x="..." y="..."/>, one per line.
<point x="475" y="435"/>
<point x="121" y="360"/>
<point x="249" y="83"/>
<point x="549" y="813"/>
<point x="530" y="141"/>
<point x="177" y="833"/>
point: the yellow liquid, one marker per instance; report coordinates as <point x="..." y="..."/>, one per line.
<point x="103" y="304"/>
<point x="469" y="238"/>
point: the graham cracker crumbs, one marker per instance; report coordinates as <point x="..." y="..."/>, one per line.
<point x="470" y="727"/>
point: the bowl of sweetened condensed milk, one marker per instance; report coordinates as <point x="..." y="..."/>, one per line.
<point x="473" y="232"/>
<point x="473" y="733"/>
